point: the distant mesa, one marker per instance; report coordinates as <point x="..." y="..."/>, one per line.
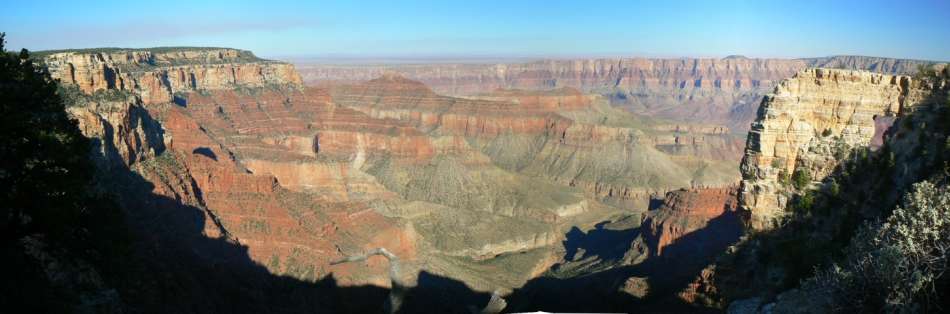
<point x="724" y="91"/>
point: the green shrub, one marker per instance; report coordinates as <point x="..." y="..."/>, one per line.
<point x="784" y="178"/>
<point x="801" y="178"/>
<point x="804" y="203"/>
<point x="834" y="189"/>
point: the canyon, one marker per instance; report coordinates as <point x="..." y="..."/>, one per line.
<point x="724" y="91"/>
<point x="618" y="182"/>
<point x="480" y="189"/>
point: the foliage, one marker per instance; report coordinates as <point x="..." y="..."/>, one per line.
<point x="870" y="266"/>
<point x="47" y="180"/>
<point x="834" y="189"/>
<point x="823" y="225"/>
<point x="73" y="97"/>
<point x="44" y="155"/>
<point x="804" y="202"/>
<point x="784" y="177"/>
<point x="801" y="178"/>
<point x="894" y="266"/>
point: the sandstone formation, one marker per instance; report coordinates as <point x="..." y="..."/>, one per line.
<point x="831" y="154"/>
<point x="808" y="124"/>
<point x="157" y="76"/>
<point x="561" y="135"/>
<point x="647" y="259"/>
<point x="722" y="91"/>
<point x="190" y="158"/>
<point x="481" y="189"/>
<point x="686" y="211"/>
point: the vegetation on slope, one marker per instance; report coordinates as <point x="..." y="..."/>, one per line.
<point x="898" y="264"/>
<point x="850" y="244"/>
<point x="56" y="230"/>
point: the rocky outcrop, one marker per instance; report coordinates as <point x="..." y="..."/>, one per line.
<point x="686" y="211"/>
<point x="462" y="186"/>
<point x="178" y="120"/>
<point x="124" y="131"/>
<point x="516" y="244"/>
<point x="156" y="76"/>
<point x="723" y="91"/>
<point x="872" y="64"/>
<point x="584" y="74"/>
<point x="807" y="125"/>
<point x="571" y="139"/>
<point x="652" y="256"/>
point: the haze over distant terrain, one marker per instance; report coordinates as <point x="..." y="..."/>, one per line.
<point x="495" y="29"/>
<point x="508" y="156"/>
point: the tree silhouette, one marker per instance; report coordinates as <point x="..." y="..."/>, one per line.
<point x="47" y="194"/>
<point x="45" y="168"/>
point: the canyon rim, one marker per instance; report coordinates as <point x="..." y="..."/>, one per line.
<point x="422" y="157"/>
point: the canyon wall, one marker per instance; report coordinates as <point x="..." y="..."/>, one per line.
<point x="561" y="135"/>
<point x="808" y="125"/>
<point x="134" y="104"/>
<point x="722" y="91"/>
<point x="690" y="210"/>
<point x="481" y="188"/>
<point x="157" y="76"/>
<point x="300" y="176"/>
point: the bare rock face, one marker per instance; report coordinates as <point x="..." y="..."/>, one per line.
<point x="691" y="225"/>
<point x="686" y="211"/>
<point x="723" y="91"/>
<point x="156" y="76"/>
<point x="180" y="120"/>
<point x="480" y="188"/>
<point x="561" y="135"/>
<point x="808" y="124"/>
<point x="126" y="131"/>
<point x="683" y="89"/>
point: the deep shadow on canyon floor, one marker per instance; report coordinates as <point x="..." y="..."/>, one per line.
<point x="174" y="267"/>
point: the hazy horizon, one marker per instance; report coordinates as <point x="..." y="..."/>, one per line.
<point x="520" y="30"/>
<point x="484" y="59"/>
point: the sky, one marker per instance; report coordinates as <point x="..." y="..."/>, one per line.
<point x="917" y="29"/>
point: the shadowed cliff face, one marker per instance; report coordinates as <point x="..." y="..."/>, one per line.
<point x="806" y="127"/>
<point x="647" y="263"/>
<point x="180" y="262"/>
<point x="257" y="173"/>
<point x="830" y="157"/>
<point x="721" y="91"/>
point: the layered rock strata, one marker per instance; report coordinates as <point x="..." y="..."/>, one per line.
<point x="560" y="135"/>
<point x="686" y="211"/>
<point x="480" y="188"/>
<point x="723" y="91"/>
<point x="808" y="124"/>
<point x="157" y="76"/>
<point x="297" y="180"/>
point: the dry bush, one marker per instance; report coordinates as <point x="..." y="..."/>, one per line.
<point x="892" y="266"/>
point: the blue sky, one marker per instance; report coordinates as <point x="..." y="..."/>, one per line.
<point x="486" y="28"/>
